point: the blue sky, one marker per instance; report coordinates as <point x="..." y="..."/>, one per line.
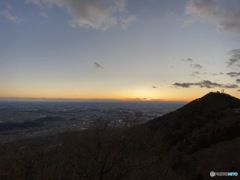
<point x="122" y="49"/>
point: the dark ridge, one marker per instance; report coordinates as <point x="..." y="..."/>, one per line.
<point x="201" y="123"/>
<point x="49" y="119"/>
<point x="29" y="124"/>
<point x="14" y="126"/>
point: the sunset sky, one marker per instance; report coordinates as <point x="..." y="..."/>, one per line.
<point x="172" y="50"/>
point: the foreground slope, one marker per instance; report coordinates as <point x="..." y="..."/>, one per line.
<point x="188" y="143"/>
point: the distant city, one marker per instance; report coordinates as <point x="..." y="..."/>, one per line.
<point x="21" y="120"/>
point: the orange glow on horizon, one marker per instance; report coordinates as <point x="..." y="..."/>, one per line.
<point x="120" y="98"/>
<point x="171" y="94"/>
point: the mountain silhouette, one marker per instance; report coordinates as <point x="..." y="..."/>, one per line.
<point x="204" y="134"/>
<point x="213" y="118"/>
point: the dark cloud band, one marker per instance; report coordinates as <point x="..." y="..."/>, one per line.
<point x="205" y="84"/>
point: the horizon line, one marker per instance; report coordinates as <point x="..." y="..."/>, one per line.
<point x="85" y="99"/>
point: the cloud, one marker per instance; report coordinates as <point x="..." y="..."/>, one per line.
<point x="97" y="65"/>
<point x="225" y="14"/>
<point x="237" y="80"/>
<point x="195" y="73"/>
<point x="39" y="3"/>
<point x="233" y="74"/>
<point x="154" y="87"/>
<point x="8" y="15"/>
<point x="235" y="53"/>
<point x="96" y="14"/>
<point x="215" y="74"/>
<point x="43" y="14"/>
<point x="127" y="20"/>
<point x="206" y="84"/>
<point x="232" y="62"/>
<point x="196" y="66"/>
<point x="234" y="57"/>
<point x="188" y="60"/>
<point x="230" y="86"/>
<point x="183" y="85"/>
